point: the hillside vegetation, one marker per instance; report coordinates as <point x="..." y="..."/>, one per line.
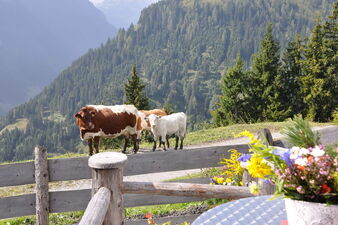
<point x="181" y="48"/>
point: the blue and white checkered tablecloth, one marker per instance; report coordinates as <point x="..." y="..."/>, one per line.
<point x="254" y="210"/>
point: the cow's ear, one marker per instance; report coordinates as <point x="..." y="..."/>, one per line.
<point x="77" y="115"/>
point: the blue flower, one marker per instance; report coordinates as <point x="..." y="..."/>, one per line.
<point x="284" y="155"/>
<point x="244" y="157"/>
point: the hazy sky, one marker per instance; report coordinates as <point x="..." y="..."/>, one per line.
<point x="96" y="1"/>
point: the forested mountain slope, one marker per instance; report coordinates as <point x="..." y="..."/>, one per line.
<point x="180" y="47"/>
<point x="39" y="38"/>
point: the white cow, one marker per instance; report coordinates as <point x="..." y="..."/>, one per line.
<point x="164" y="126"/>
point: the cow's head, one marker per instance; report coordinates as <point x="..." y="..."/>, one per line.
<point x="84" y="120"/>
<point x="153" y="120"/>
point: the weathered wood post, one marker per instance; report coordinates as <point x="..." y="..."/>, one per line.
<point x="266" y="137"/>
<point x="107" y="171"/>
<point x="41" y="180"/>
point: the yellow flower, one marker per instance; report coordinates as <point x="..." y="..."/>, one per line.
<point x="245" y="134"/>
<point x="254" y="188"/>
<point x="257" y="168"/>
<point x="220" y="180"/>
<point x="228" y="180"/>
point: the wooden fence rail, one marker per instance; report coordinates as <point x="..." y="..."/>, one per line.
<point x="186" y="189"/>
<point x="149" y="162"/>
<point x="97" y="208"/>
<point x="77" y="168"/>
<point x="107" y="170"/>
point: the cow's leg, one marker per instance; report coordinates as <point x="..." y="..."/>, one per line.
<point x="176" y="144"/>
<point x="155" y="140"/>
<point x="96" y="143"/>
<point x="125" y="145"/>
<point x="90" y="146"/>
<point x="135" y="141"/>
<point x="163" y="142"/>
<point x="160" y="142"/>
<point x="154" y="146"/>
<point x="181" y="146"/>
<point x="167" y="137"/>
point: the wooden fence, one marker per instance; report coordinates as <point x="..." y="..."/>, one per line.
<point x="77" y="168"/>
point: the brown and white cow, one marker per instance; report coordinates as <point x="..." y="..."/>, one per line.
<point x="97" y="121"/>
<point x="144" y="114"/>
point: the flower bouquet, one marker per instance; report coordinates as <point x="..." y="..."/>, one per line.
<point x="306" y="172"/>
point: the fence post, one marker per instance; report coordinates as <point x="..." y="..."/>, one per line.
<point x="41" y="180"/>
<point x="266" y="137"/>
<point x="107" y="171"/>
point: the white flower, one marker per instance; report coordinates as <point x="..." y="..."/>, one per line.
<point x="244" y="164"/>
<point x="317" y="152"/>
<point x="301" y="161"/>
<point x="296" y="152"/>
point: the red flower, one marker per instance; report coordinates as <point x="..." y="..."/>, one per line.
<point x="325" y="189"/>
<point x="300" y="167"/>
<point x="310" y="159"/>
<point x="148" y="215"/>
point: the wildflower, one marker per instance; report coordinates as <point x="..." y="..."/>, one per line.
<point x="254" y="188"/>
<point x="300" y="190"/>
<point x="245" y="134"/>
<point x="220" y="180"/>
<point x="228" y="180"/>
<point x="244" y="157"/>
<point x="325" y="189"/>
<point x="257" y="168"/>
<point x="317" y="151"/>
<point x="301" y="161"/>
<point x="148" y="216"/>
<point x="300" y="168"/>
<point x="284" y="155"/>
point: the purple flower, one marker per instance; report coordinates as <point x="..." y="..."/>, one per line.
<point x="284" y="155"/>
<point x="267" y="181"/>
<point x="244" y="157"/>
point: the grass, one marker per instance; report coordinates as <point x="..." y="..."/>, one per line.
<point x="20" y="124"/>
<point x="226" y="133"/>
<point x="130" y="213"/>
<point x="54" y="219"/>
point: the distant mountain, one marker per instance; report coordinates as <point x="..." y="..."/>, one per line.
<point x="122" y="13"/>
<point x="38" y="38"/>
<point x="180" y="47"/>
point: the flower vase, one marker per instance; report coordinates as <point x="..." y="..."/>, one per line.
<point x="310" y="213"/>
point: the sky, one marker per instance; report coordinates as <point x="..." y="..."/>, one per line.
<point x="95" y="2"/>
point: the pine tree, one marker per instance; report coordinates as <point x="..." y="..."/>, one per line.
<point x="266" y="67"/>
<point x="134" y="91"/>
<point x="233" y="106"/>
<point x="320" y="83"/>
<point x="291" y="72"/>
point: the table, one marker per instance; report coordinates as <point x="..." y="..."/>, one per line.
<point x="254" y="210"/>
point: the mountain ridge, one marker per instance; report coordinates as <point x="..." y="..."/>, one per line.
<point x="39" y="39"/>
